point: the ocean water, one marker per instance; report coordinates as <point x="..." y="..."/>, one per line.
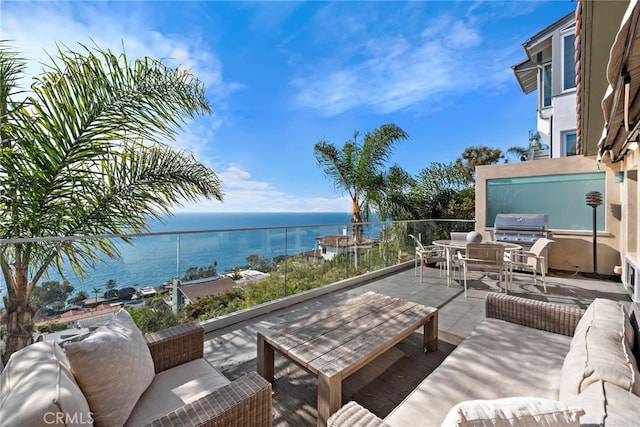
<point x="154" y="260"/>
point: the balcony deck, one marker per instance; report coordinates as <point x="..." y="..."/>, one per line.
<point x="385" y="382"/>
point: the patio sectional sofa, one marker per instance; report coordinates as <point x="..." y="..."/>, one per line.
<point x="529" y="363"/>
<point x="116" y="376"/>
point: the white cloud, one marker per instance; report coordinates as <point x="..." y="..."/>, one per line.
<point x="35" y="29"/>
<point x="267" y="201"/>
<point x="39" y="27"/>
<point x="461" y="36"/>
<point x="386" y="74"/>
<point x="244" y="194"/>
<point x="398" y="77"/>
<point x="237" y="179"/>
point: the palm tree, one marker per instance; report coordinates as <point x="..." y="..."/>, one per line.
<point x="357" y="169"/>
<point x="96" y="292"/>
<point x="393" y="201"/>
<point x="520" y="152"/>
<point x="83" y="154"/>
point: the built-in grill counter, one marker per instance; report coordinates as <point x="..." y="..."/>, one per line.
<point x="522" y="229"/>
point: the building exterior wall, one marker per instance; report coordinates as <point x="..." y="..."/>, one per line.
<point x="554" y="120"/>
<point x="572" y="250"/>
<point x="564" y="121"/>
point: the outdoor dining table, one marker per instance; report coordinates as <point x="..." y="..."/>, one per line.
<point x="453" y="246"/>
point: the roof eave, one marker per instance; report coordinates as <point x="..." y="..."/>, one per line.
<point x="526" y="72"/>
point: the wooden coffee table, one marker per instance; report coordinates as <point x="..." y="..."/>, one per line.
<point x="336" y="341"/>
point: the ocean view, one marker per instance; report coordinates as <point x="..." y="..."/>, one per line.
<point x="153" y="260"/>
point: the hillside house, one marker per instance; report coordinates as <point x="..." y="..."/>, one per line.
<point x="341" y="244"/>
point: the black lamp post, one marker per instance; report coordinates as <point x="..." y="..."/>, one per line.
<point x="594" y="199"/>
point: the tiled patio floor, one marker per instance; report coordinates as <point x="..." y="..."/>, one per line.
<point x="233" y="349"/>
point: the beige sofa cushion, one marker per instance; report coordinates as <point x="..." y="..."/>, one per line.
<point x="606" y="404"/>
<point x="607" y="314"/>
<point x="483" y="366"/>
<point x="622" y="408"/>
<point x="174" y="388"/>
<point x="601" y="349"/>
<point x="513" y="411"/>
<point x="113" y="367"/>
<point x="37" y="389"/>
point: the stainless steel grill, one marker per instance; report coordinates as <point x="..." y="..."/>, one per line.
<point x="523" y="229"/>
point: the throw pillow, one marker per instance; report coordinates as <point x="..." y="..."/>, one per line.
<point x="512" y="411"/>
<point x="37" y="389"/>
<point x="113" y="367"/>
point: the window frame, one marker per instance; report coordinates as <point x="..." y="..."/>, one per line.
<point x="563" y="137"/>
<point x="543" y="67"/>
<point x="564" y="36"/>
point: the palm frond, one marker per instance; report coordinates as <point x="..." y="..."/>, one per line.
<point x="336" y="164"/>
<point x="68" y="166"/>
<point x="97" y="97"/>
<point x="378" y="147"/>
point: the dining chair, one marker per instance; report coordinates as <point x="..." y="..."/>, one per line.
<point x="427" y="254"/>
<point x="458" y="235"/>
<point x="531" y="260"/>
<point x="484" y="257"/>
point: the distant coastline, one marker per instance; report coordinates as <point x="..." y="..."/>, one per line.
<point x="151" y="261"/>
<point x="190" y="221"/>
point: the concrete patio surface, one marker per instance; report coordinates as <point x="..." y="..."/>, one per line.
<point x="233" y="348"/>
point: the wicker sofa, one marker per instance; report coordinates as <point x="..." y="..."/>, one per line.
<point x="528" y="363"/>
<point x="109" y="381"/>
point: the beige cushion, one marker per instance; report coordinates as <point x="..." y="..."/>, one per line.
<point x="513" y="411"/>
<point x="113" y="367"/>
<point x="483" y="366"/>
<point x="606" y="404"/>
<point x="622" y="407"/>
<point x="173" y="388"/>
<point x="37" y="389"/>
<point x="592" y="400"/>
<point x="607" y="314"/>
<point x="600" y="350"/>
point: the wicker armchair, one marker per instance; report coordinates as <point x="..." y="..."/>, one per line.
<point x="244" y="402"/>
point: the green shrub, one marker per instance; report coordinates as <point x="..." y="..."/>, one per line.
<point x="153" y="319"/>
<point x="52" y="327"/>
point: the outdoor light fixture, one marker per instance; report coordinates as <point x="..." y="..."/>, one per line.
<point x="594" y="199"/>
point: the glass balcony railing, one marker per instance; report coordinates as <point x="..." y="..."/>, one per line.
<point x="216" y="272"/>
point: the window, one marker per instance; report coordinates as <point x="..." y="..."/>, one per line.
<point x="562" y="197"/>
<point x="545" y="84"/>
<point x="568" y="62"/>
<point x="569" y="143"/>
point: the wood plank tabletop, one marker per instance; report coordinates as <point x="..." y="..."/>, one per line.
<point x="338" y="340"/>
<point x="341" y="338"/>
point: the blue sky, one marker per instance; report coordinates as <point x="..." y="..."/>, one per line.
<point x="283" y="75"/>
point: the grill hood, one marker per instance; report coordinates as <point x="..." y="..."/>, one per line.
<point x="521" y="221"/>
